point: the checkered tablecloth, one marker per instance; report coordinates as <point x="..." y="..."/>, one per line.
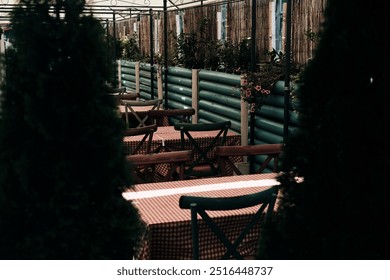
<point x="168" y="228"/>
<point x="166" y="138"/>
<point x="142" y="112"/>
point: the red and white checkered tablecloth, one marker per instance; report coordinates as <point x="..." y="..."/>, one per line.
<point x="142" y="112"/>
<point x="168" y="228"/>
<point x="167" y="138"/>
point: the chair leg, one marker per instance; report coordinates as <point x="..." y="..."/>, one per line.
<point x="194" y="231"/>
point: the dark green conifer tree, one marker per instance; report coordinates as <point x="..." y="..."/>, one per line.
<point x="341" y="210"/>
<point x="62" y="171"/>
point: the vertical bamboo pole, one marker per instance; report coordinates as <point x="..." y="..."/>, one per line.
<point x="195" y="94"/>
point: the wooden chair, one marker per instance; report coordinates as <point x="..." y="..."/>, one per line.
<point x="145" y="144"/>
<point x="226" y="153"/>
<point x="115" y="90"/>
<point x="141" y="118"/>
<point x="120" y="94"/>
<point x="128" y="96"/>
<point x="171" y="116"/>
<point x="161" y="167"/>
<point x="204" y="164"/>
<point x="201" y="206"/>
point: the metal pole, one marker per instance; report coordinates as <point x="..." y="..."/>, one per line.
<point x="253" y="69"/>
<point x="165" y="55"/>
<point x="114" y="32"/>
<point x="114" y="42"/>
<point x="108" y="44"/>
<point x="287" y="89"/>
<point x="151" y="56"/>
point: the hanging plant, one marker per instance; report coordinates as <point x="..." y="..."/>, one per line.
<point x="256" y="86"/>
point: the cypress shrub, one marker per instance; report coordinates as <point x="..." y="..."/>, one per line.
<point x="62" y="171"/>
<point x="340" y="210"/>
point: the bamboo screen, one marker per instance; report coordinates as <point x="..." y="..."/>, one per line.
<point x="307" y="15"/>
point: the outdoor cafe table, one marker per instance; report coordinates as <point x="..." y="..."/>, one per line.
<point x="142" y="111"/>
<point x="167" y="232"/>
<point x="166" y="138"/>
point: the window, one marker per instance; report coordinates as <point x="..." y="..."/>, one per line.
<point x="221" y="23"/>
<point x="179" y="23"/>
<point x="276" y="13"/>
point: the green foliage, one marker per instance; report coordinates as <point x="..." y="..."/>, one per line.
<point x="234" y="58"/>
<point x="227" y="56"/>
<point x="190" y="50"/>
<point x="195" y="49"/>
<point x="244" y="55"/>
<point x="340" y="210"/>
<point x="312" y="36"/>
<point x="275" y="57"/>
<point x="62" y="171"/>
<point x="130" y="49"/>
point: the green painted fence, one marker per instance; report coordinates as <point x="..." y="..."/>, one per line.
<point x="219" y="98"/>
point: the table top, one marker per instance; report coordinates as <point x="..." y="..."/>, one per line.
<point x="167" y="136"/>
<point x="170" y="133"/>
<point x="168" y="227"/>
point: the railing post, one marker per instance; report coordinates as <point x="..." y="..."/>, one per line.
<point x="195" y="94"/>
<point x="137" y="78"/>
<point x="159" y="82"/>
<point x="244" y="120"/>
<point x="118" y="63"/>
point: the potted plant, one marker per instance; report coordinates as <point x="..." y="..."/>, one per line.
<point x="257" y="86"/>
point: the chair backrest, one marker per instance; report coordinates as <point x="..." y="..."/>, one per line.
<point x="131" y="108"/>
<point x="115" y="93"/>
<point x="203" y="149"/>
<point x="201" y="206"/>
<point x="161" y="167"/>
<point x="128" y="96"/>
<point x="225" y="154"/>
<point x="144" y="145"/>
<point x="115" y="90"/>
<point x="170" y="116"/>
